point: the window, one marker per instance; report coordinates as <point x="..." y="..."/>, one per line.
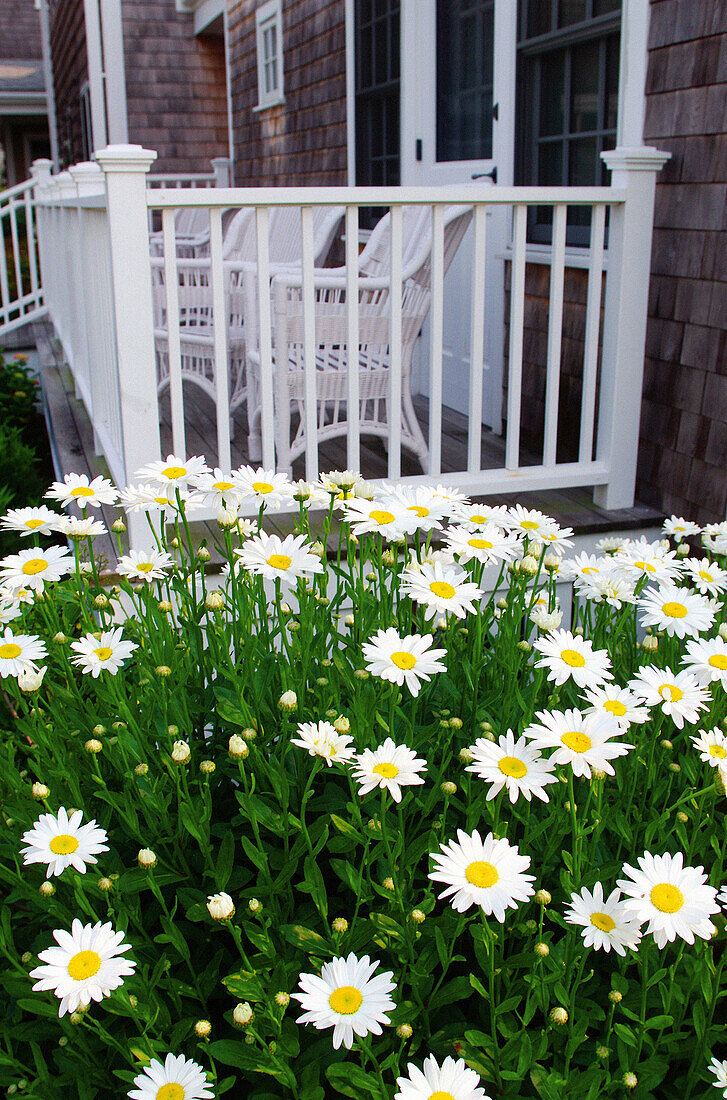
<point x="377" y="50"/>
<point x="86" y="126"/>
<point x="568" y="73"/>
<point x="465" y="43"/>
<point x="269" y="28"/>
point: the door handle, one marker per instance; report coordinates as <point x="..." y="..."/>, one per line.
<point x="492" y="175"/>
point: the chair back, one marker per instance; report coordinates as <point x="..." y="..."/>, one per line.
<point x="284" y="235"/>
<point x="375" y="259"/>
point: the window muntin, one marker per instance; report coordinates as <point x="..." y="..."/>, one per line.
<point x="377" y="52"/>
<point x="465" y="66"/>
<point x="269" y="29"/>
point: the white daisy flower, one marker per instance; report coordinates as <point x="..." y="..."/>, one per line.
<point x="546" y="621"/>
<point x="341" y="484"/>
<point x="641" y="558"/>
<point x="178" y="1078"/>
<point x="429" y="509"/>
<point x="614" y="589"/>
<point x="618" y="703"/>
<point x="719" y="1069"/>
<point x="347" y="997"/>
<point x="674" y="899"/>
<point x="530" y="523"/>
<point x="680" y="528"/>
<point x="77" y="489"/>
<point x="156" y="498"/>
<point x="452" y="1081"/>
<point x="606" y="923"/>
<point x="20" y="653"/>
<point x="388" y="518"/>
<point x="79" y="527"/>
<point x="611" y="544"/>
<point x="570" y="657"/>
<point x="172" y="473"/>
<point x="323" y="740"/>
<point x="403" y="660"/>
<point x="556" y="538"/>
<point x="706" y="659"/>
<point x="18" y="595"/>
<point x="278" y="559"/>
<point x="441" y="591"/>
<point x="33" y="568"/>
<point x="265" y="486"/>
<point x="711" y="746"/>
<point x="676" y="610"/>
<point x="85" y="966"/>
<point x="512" y="764"/>
<point x="451" y="496"/>
<point x="61" y="841"/>
<point x="583" y="741"/>
<point x="722" y="896"/>
<point x="488" y="873"/>
<point x="389" y="767"/>
<point x="104" y="654"/>
<point x="9" y="610"/>
<point x="30" y="521"/>
<point x="217" y="490"/>
<point x="144" y="565"/>
<point x="706" y="576"/>
<point x="474" y="516"/>
<point x="677" y="693"/>
<point x="584" y="566"/>
<point x="485" y="544"/>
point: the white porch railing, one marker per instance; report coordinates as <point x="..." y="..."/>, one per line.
<point x="21" y="294"/>
<point x="94" y="243"/>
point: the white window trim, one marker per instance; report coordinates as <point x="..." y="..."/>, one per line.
<point x="269" y="14"/>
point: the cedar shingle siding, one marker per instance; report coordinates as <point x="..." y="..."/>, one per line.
<point x="302" y="141"/>
<point x="70" y="71"/>
<point x="683" y="446"/>
<point x="19" y="31"/>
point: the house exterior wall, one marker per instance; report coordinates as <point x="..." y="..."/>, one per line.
<point x="19" y="31"/>
<point x="70" y="72"/>
<point x="683" y="445"/>
<point x="302" y="141"/>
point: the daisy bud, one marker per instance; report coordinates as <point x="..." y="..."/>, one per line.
<point x="146" y="858"/>
<point x="26" y="957"/>
<point x="207" y="767"/>
<point x="543" y="897"/>
<point x="615" y="997"/>
<point x="650" y="643"/>
<point x="444" y="723"/>
<point x="118" y="526"/>
<point x="485" y="727"/>
<point x="418" y="916"/>
<point x="93" y="745"/>
<point x="342" y="724"/>
<point x="374" y="826"/>
<point x="682" y="817"/>
<point x="322" y="601"/>
<point x="579" y="631"/>
<point x="75" y="1018"/>
<point x="254" y="905"/>
<point x="286" y="608"/>
<point x="567" y="806"/>
<point x="404" y="1031"/>
<point x="29" y="680"/>
<point x="361" y="674"/>
<point x="502" y="604"/>
<point x="202" y="1029"/>
<point x="46" y="889"/>
<point x="249" y="734"/>
<point x="165" y="606"/>
<point x="40" y="791"/>
<point x="542" y="950"/>
<point x="388" y="884"/>
<point x="282" y="999"/>
<point x="524" y="646"/>
<point x="215" y="601"/>
<point x="288" y="702"/>
<point x="601" y="1052"/>
<point x="227" y="517"/>
<point x="388" y="557"/>
<point x="141" y="769"/>
<point x="250" y="1040"/>
<point x="236" y="748"/>
<point x="531" y="926"/>
<point x="448" y="787"/>
<point x="220" y="907"/>
<point x="349" y="620"/>
<point x="683" y="549"/>
<point x="322" y="681"/>
<point x="60" y="638"/>
<point x="340" y="924"/>
<point x="133" y="1001"/>
<point x="242" y="1015"/>
<point x="441" y="623"/>
<point x="455" y="723"/>
<point x="529" y="565"/>
<point x="666" y="744"/>
<point x="118" y="725"/>
<point x="630" y="1080"/>
<point x="598" y="773"/>
<point x="466" y="756"/>
<point x="203" y="554"/>
<point x="676" y="768"/>
<point x="180" y="752"/>
<point x="558" y="1017"/>
<point x="163" y="671"/>
<point x="101" y="602"/>
<point x="294" y="626"/>
<point x="104" y="885"/>
<point x="551" y="562"/>
<point x="722" y="631"/>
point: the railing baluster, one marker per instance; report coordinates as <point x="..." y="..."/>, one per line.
<point x="436" y="341"/>
<point x="477" y="339"/>
<point x="16" y="249"/>
<point x="515" y="357"/>
<point x="265" y="337"/>
<point x="4" y="286"/>
<point x="174" y="344"/>
<point x="220" y="318"/>
<point x="30" y="234"/>
<point x="352" y="351"/>
<point x="309" y="346"/>
<point x="593" y="324"/>
<point x="555" y="335"/>
<point x="395" y="304"/>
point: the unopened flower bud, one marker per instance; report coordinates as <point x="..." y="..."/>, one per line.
<point x="531" y="926"/>
<point x="340" y="924"/>
<point x="404" y="1031"/>
<point x="30" y="680"/>
<point x="683" y="549"/>
<point x="551" y="562"/>
<point x="249" y="734"/>
<point x="448" y="787"/>
<point x="26" y="957"/>
<point x="502" y="604"/>
<point x="236" y="748"/>
<point x="630" y="1080"/>
<point x="542" y="950"/>
<point x="455" y="723"/>
<point x="242" y="1015"/>
<point x="650" y="643"/>
<point x="602" y="1052"/>
<point x="254" y="905"/>
<point x="524" y="646"/>
<point x="93" y="745"/>
<point x="558" y="1017"/>
<point x="342" y="724"/>
<point x="220" y="907"/>
<point x="227" y="517"/>
<point x="180" y="752"/>
<point x="529" y="565"/>
<point x="722" y="631"/>
<point x="466" y="756"/>
<point x="164" y="606"/>
<point x="141" y="769"/>
<point x="47" y="889"/>
<point x="118" y="526"/>
<point x="615" y="997"/>
<point x="682" y="817"/>
<point x="676" y="768"/>
<point x="60" y="637"/>
<point x="203" y="554"/>
<point x="146" y="858"/>
<point x="105" y="884"/>
<point x="202" y="1029"/>
<point x="288" y="702"/>
<point x="215" y="601"/>
<point x="282" y="999"/>
<point x="543" y="897"/>
<point x="418" y="916"/>
<point x="40" y="791"/>
<point x="361" y="673"/>
<point x="388" y="884"/>
<point x="163" y="671"/>
<point x="666" y="744"/>
<point x="101" y="602"/>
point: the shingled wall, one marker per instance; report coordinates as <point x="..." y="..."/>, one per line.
<point x="70" y="71"/>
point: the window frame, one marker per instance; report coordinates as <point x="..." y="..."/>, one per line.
<point x="269" y="16"/>
<point x="84" y="100"/>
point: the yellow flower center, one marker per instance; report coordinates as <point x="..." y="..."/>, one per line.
<point x="174" y="472"/>
<point x="403" y="660"/>
<point x="442" y="589"/>
<point x="573" y="658"/>
<point x="479" y="519"/>
<point x="670" y="693"/>
<point x="161" y="500"/>
<point x="346" y="1000"/>
<point x="82" y="491"/>
<point x="103" y="653"/>
<point x="145" y="566"/>
<point x="9" y="651"/>
<point x="512" y="765"/>
<point x="645" y="565"/>
<point x="381" y="517"/>
<point x="262" y="487"/>
<point x="667" y="898"/>
<point x="480" y="544"/>
<point x="717" y="751"/>
<point x="418" y="510"/>
<point x="718" y="660"/>
<point x="674" y="610"/>
<point x="576" y="741"/>
<point x="389" y="771"/>
<point x="33" y="523"/>
<point x="482" y="874"/>
<point x="440" y="1095"/>
<point x="84" y="965"/>
<point x="63" y="844"/>
<point x="34" y="565"/>
<point x="529" y="525"/>
<point x="590" y="569"/>
<point x="613" y="706"/>
<point x="603" y="921"/>
<point x="279" y="561"/>
<point x="705" y="575"/>
<point x="223" y="486"/>
<point x="171" y="1091"/>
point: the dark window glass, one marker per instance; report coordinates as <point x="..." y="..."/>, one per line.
<point x="465" y="44"/>
<point x="569" y="11"/>
<point x="377" y="34"/>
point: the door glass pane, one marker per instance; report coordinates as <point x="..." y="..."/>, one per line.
<point x="571" y="11"/>
<point x="584" y="87"/>
<point x="604" y="7"/>
<point x="465" y="43"/>
<point x="540" y="16"/>
<point x="552" y="93"/>
<point x="583" y="162"/>
<point x="612" y="67"/>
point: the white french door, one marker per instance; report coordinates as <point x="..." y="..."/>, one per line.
<point x="457" y="127"/>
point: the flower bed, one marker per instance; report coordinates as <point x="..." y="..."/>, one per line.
<point x="361" y="816"/>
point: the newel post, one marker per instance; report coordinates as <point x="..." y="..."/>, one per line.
<point x="221" y="168"/>
<point x="125" y="168"/>
<point x="633" y="170"/>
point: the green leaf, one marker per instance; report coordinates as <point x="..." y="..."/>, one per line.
<point x="244" y="984"/>
<point x="349" y="1079"/>
<point x="225" y="860"/>
<point x="305" y="938"/>
<point x="345" y="827"/>
<point x="625" y="1034"/>
<point x="233" y="1053"/>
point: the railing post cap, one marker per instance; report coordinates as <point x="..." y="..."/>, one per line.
<point x="88" y="177"/>
<point x="125" y="158"/>
<point x="41" y="168"/>
<point x="636" y="158"/>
